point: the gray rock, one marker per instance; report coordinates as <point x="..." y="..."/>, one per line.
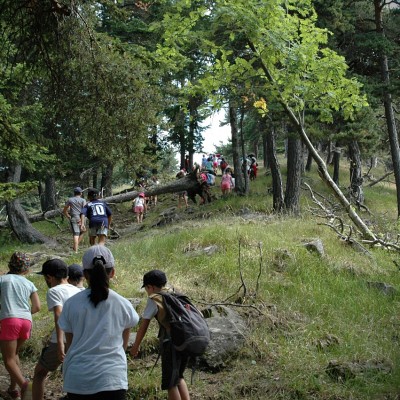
<point x="315" y="246"/>
<point x="227" y="330"/>
<point x="383" y="287"/>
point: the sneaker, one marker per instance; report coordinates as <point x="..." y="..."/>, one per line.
<point x="14" y="393"/>
<point x="26" y="391"/>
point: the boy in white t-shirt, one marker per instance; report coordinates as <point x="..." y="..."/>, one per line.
<point x="55" y="272"/>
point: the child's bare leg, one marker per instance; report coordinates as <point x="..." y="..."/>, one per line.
<point x="9" y="351"/>
<point x="179" y="392"/>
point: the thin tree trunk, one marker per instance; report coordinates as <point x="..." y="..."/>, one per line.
<point x="239" y="182"/>
<point x="49" y="198"/>
<point x="356" y="179"/>
<point x="277" y="187"/>
<point x="106" y="180"/>
<point x="336" y="164"/>
<point x="244" y="158"/>
<point x="294" y="164"/>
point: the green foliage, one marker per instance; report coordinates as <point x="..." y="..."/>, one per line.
<point x="11" y="191"/>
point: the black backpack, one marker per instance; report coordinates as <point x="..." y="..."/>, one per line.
<point x="189" y="330"/>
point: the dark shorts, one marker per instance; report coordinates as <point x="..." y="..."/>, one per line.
<point x="110" y="395"/>
<point x="49" y="357"/>
<point x="173" y="365"/>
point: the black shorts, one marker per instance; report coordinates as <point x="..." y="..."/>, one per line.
<point x="173" y="365"/>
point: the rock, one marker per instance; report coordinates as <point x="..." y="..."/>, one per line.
<point x="227" y="330"/>
<point x="315" y="246"/>
<point x="383" y="287"/>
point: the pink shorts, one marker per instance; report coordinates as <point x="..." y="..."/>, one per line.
<point x="139" y="209"/>
<point x="225" y="185"/>
<point x="15" y="328"/>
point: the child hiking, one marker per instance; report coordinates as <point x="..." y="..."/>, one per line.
<point x="97" y="323"/>
<point x="139" y="207"/>
<point x="55" y="273"/>
<point x="16" y="294"/>
<point x="173" y="362"/>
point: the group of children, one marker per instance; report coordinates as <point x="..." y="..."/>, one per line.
<point x="91" y="332"/>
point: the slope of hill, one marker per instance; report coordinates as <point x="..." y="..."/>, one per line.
<point x="319" y="327"/>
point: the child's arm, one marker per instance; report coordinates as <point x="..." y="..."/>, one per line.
<point x="144" y="324"/>
<point x="68" y="340"/>
<point x="125" y="337"/>
<point x="60" y="333"/>
<point x="35" y="301"/>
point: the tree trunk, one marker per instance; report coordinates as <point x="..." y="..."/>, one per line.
<point x="244" y="158"/>
<point x="49" y="195"/>
<point x="18" y="220"/>
<point x="294" y="164"/>
<point x="309" y="162"/>
<point x="277" y="187"/>
<point x="336" y="164"/>
<point x="106" y="180"/>
<point x="356" y="178"/>
<point x="266" y="158"/>
<point x="387" y="102"/>
<point x="239" y="182"/>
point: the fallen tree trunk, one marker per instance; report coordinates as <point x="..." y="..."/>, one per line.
<point x="189" y="183"/>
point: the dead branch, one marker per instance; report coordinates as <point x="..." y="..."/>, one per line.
<point x="380" y="179"/>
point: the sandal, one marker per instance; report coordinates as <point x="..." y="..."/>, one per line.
<point x="14" y="393"/>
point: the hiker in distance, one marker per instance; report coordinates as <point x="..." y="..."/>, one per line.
<point x="72" y="211"/>
<point x="97" y="323"/>
<point x="99" y="216"/>
<point x="173" y="363"/>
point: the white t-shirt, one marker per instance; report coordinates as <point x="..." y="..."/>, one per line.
<point x="15" y="293"/>
<point x="96" y="360"/>
<point x="57" y="296"/>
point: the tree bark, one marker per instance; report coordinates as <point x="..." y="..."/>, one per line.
<point x="49" y="195"/>
<point x="277" y="187"/>
<point x="106" y="180"/>
<point x="239" y="182"/>
<point x="356" y="178"/>
<point x="18" y="220"/>
<point x="294" y="164"/>
<point x="336" y="164"/>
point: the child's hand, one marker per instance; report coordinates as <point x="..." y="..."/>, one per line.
<point x="134" y="351"/>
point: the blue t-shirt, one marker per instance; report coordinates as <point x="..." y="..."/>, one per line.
<point x="15" y="294"/>
<point x="97" y="211"/>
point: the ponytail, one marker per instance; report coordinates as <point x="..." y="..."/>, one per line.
<point x="99" y="280"/>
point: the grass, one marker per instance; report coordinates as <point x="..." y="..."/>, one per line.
<point x="313" y="310"/>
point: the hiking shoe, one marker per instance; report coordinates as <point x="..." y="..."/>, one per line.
<point x="26" y="391"/>
<point x="14" y="393"/>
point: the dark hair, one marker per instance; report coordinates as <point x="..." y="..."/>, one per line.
<point x="99" y="281"/>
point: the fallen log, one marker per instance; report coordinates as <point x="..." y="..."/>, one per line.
<point x="189" y="183"/>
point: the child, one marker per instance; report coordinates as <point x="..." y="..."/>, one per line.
<point x="16" y="318"/>
<point x="139" y="207"/>
<point x="97" y="323"/>
<point x="173" y="363"/>
<point x="226" y="182"/>
<point x="55" y="273"/>
<point x="75" y="276"/>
